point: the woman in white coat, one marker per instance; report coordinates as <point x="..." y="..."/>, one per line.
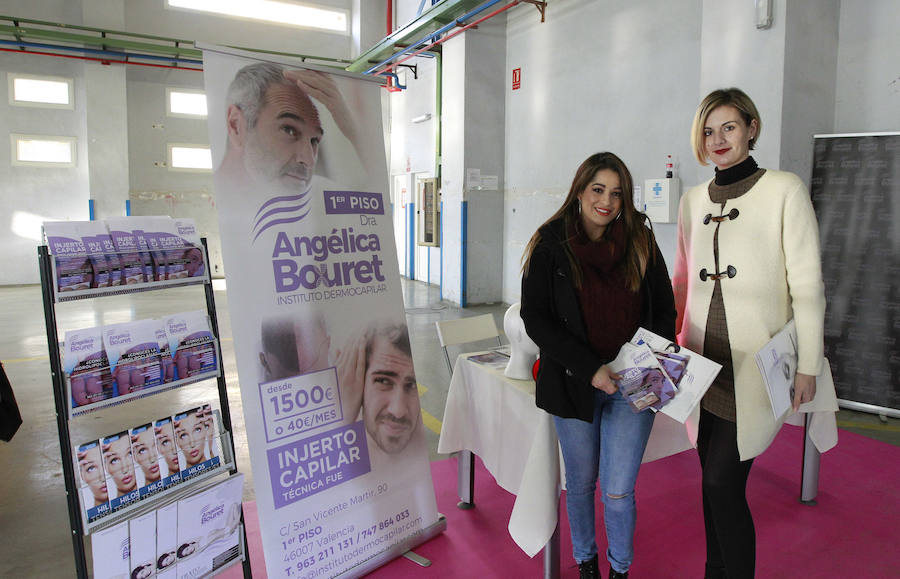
<point x="747" y="262"/>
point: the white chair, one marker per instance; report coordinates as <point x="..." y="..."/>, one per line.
<point x="465" y="330"/>
<point x="455" y="333"/>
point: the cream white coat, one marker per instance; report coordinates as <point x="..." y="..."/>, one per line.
<point x="774" y="245"/>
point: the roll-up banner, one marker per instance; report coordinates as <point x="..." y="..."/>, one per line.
<point x="331" y="407"/>
<point x="855" y="190"/>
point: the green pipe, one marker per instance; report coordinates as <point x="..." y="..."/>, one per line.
<point x="438" y="100"/>
<point x="431" y="20"/>
<point x="294" y="55"/>
<point x="21" y="33"/>
<point x="91" y="29"/>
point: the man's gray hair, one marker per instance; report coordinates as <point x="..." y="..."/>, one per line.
<point x="248" y="89"/>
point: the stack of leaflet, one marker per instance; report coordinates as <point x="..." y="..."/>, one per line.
<point x="130" y="466"/>
<point x="121" y="359"/>
<point x="661" y="376"/>
<point x="123" y="251"/>
<point x="193" y="537"/>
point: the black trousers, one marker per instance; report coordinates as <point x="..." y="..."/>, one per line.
<point x="730" y="534"/>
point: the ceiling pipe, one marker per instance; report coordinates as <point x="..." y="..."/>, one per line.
<point x="458" y="22"/>
<point x="394" y="65"/>
<point x="64" y="36"/>
<point x="100" y="60"/>
<point x="126" y="55"/>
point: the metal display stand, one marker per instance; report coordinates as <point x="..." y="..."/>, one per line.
<point x="64" y="411"/>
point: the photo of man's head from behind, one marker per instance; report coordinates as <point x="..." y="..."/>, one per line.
<point x="273" y="130"/>
<point x="291" y="347"/>
<point x="391" y="409"/>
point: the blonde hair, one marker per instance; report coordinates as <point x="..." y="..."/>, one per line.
<point x="725" y="96"/>
<point x="638" y="239"/>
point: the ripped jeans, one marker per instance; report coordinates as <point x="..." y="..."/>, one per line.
<point x="611" y="448"/>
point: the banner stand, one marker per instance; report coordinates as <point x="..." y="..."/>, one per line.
<point x="330" y="399"/>
<point x="855" y="187"/>
<point x="397" y="550"/>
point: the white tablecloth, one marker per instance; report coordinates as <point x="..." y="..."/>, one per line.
<point x="495" y="417"/>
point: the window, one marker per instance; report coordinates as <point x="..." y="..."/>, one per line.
<point x="42" y="150"/>
<point x="277" y="11"/>
<point x="193" y="158"/>
<point x="41" y="91"/>
<point x="185" y="102"/>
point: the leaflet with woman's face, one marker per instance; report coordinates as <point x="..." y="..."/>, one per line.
<point x="118" y="462"/>
<point x="94" y="493"/>
<point x="196" y="436"/>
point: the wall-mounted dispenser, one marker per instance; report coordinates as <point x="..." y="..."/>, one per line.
<point x="661" y="198"/>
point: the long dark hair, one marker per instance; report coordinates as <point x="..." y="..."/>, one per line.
<point x="638" y="239"/>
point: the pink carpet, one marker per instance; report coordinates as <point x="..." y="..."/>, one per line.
<point x="852" y="532"/>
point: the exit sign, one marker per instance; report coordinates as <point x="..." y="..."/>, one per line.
<point x="517" y="78"/>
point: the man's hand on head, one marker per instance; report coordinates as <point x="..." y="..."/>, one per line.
<point x="320" y="86"/>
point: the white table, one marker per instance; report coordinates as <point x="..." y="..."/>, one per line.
<point x="495" y="417"/>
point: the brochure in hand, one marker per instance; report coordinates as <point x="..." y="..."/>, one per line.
<point x="777" y="362"/>
<point x="643" y="383"/>
<point x="692" y="378"/>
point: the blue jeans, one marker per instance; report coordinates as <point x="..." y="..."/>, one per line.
<point x="611" y="448"/>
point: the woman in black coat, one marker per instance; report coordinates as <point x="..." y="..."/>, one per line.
<point x="592" y="276"/>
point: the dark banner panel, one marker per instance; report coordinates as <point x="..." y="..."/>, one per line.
<point x="856" y="193"/>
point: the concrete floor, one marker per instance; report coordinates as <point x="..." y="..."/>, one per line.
<point x="33" y="513"/>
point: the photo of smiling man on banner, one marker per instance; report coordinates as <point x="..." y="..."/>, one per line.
<point x="378" y="385"/>
<point x="329" y="394"/>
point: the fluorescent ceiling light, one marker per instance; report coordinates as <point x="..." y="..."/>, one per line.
<point x="270" y="11"/>
<point x="187" y="103"/>
<point x="33" y="150"/>
<point x="188" y="157"/>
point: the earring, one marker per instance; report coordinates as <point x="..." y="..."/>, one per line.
<point x="579" y="208"/>
<point x="617" y="216"/>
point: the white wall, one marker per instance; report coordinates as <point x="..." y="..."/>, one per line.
<point x="120" y="120"/>
<point x="155" y="189"/>
<point x="617" y="76"/>
<point x="369" y="24"/>
<point x="484" y="149"/>
<point x="472" y="138"/>
<point x="29" y="195"/>
<point x="868" y="70"/>
<point x="106" y="117"/>
<point x="413" y="154"/>
<point x="453" y="166"/>
<point x="735" y="53"/>
<point x="810" y="69"/>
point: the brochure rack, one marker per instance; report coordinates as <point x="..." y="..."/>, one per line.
<point x="64" y="411"/>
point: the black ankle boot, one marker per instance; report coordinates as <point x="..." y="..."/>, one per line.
<point x="589" y="569"/>
<point x="613" y="574"/>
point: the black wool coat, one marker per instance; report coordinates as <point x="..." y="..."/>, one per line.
<point x="553" y="320"/>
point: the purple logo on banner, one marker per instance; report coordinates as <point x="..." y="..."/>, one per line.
<point x="306" y="467"/>
<point x="345" y="202"/>
<point x="280" y="211"/>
